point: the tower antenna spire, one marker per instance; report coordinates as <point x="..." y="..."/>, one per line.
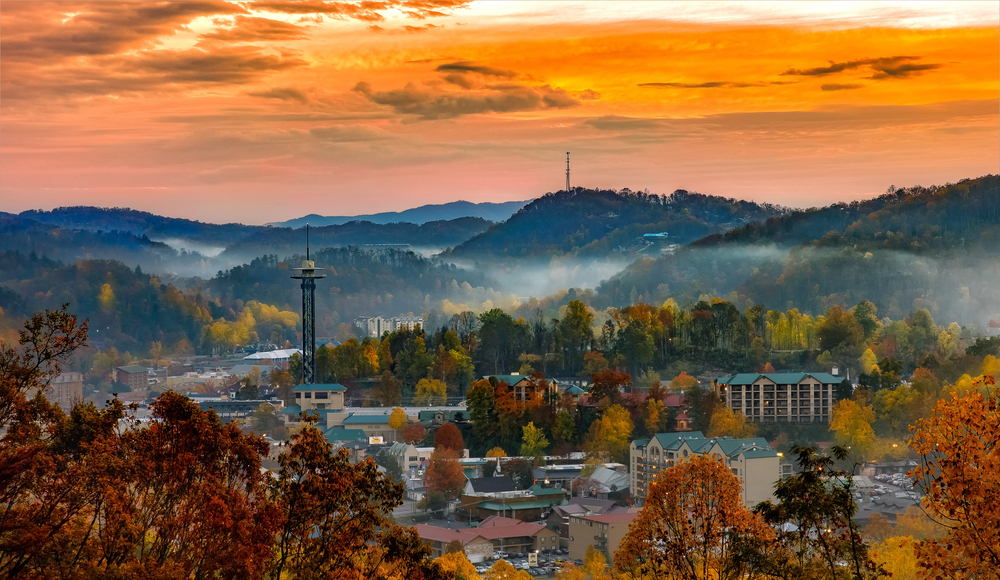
<point x="307" y="273"/>
<point x="567" y="171"/>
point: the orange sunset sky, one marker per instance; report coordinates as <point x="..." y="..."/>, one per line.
<point x="265" y="111"/>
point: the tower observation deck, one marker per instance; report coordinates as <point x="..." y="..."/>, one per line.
<point x="307" y="273"/>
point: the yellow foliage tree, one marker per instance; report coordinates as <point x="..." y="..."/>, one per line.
<point x="868" y="360"/>
<point x="496" y="452"/>
<point x="397" y="419"/>
<point x="852" y="425"/>
<point x="430" y="392"/>
<point x="106" y="298"/>
<point x="595" y="565"/>
<point x="726" y="422"/>
<point x="371" y="355"/>
<point x="961" y="465"/>
<point x="897" y="557"/>
<point x="502" y="570"/>
<point x="608" y="437"/>
<point x="458" y="564"/>
<point x="991" y="366"/>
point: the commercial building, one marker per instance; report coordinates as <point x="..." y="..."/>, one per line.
<point x="492" y="534"/>
<point x="530" y="504"/>
<point x="603" y="532"/>
<point x="752" y="461"/>
<point x="779" y="397"/>
<point x="272" y="358"/>
<point x="135" y="376"/>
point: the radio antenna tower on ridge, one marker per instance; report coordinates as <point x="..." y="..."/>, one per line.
<point x="567" y="172"/>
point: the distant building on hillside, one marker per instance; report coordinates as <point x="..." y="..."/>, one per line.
<point x="525" y="388"/>
<point x="779" y="397"/>
<point x="376" y="326"/>
<point x="272" y="358"/>
<point x="135" y="376"/>
<point x="64" y="390"/>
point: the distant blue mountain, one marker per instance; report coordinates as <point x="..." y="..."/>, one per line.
<point x="494" y="212"/>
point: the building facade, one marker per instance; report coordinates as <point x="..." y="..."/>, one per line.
<point x="135" y="376"/>
<point x="66" y="390"/>
<point x="525" y="388"/>
<point x="779" y="397"/>
<point x="376" y="326"/>
<point x="603" y="532"/>
<point x="752" y="461"/>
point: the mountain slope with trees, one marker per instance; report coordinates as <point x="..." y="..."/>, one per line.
<point x="923" y="247"/>
<point x="588" y="222"/>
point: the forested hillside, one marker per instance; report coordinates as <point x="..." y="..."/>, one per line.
<point x="71" y="244"/>
<point x="933" y="248"/>
<point x="593" y="223"/>
<point x="435" y="234"/>
<point x="141" y="223"/>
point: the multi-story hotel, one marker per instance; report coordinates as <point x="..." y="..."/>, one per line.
<point x="752" y="461"/>
<point x="779" y="397"/>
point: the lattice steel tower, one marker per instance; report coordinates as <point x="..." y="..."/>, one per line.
<point x="307" y="273"/>
<point x="567" y="172"/>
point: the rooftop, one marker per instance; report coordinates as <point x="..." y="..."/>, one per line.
<point x="324" y="387"/>
<point x="779" y="378"/>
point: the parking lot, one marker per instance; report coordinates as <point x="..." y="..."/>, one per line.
<point x="548" y="562"/>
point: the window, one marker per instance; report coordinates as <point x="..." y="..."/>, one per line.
<point x="414" y="458"/>
<point x="320" y="405"/>
<point x="322" y="395"/>
<point x="309" y="395"/>
<point x="298" y="395"/>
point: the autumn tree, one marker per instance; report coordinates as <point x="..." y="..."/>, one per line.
<point x="448" y="437"/>
<point x="682" y="382"/>
<point x="691" y="527"/>
<point x="333" y="518"/>
<point x="814" y="514"/>
<point x="609" y="436"/>
<point x="960" y="468"/>
<point x="595" y="565"/>
<point x="397" y="420"/>
<point x="728" y="423"/>
<point x="444" y="474"/>
<point x="388" y="392"/>
<point x="414" y="433"/>
<point x="456" y="563"/>
<point x="265" y="418"/>
<point x="608" y="385"/>
<point x="851" y="423"/>
<point x="534" y="442"/>
<point x="503" y="570"/>
<point x="430" y="393"/>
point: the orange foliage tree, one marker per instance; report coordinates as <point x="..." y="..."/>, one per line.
<point x="333" y="518"/>
<point x="444" y="474"/>
<point x="961" y="469"/>
<point x="449" y="437"/>
<point x="691" y="527"/>
<point x="97" y="494"/>
<point x="414" y="433"/>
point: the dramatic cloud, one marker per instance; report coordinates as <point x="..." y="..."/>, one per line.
<point x="285" y="94"/>
<point x="430" y="105"/>
<point x="253" y="29"/>
<point x="68" y="29"/>
<point x="837" y="87"/>
<point x="472" y="67"/>
<point x="366" y="11"/>
<point x="708" y="85"/>
<point x="890" y="67"/>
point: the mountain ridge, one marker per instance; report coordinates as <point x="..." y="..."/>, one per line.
<point x="490" y="211"/>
